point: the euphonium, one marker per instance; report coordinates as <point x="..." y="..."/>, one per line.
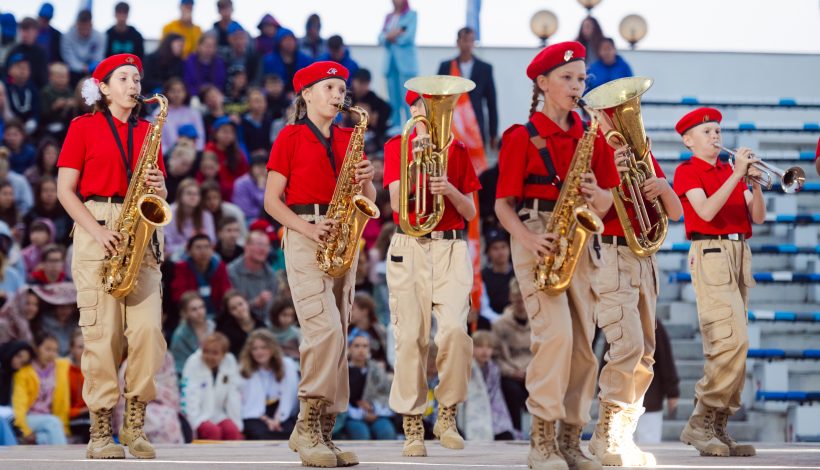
<point x="620" y="103"/>
<point x="142" y="212"/>
<point x="348" y="208"/>
<point x="440" y="94"/>
<point x="571" y="221"/>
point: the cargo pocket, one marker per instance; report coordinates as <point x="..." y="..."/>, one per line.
<point x="87" y="303"/>
<point x="714" y="267"/>
<point x="538" y="318"/>
<point x="609" y="321"/>
<point x="309" y="306"/>
<point x="748" y="277"/>
<point x="400" y="269"/>
<point x="717" y="331"/>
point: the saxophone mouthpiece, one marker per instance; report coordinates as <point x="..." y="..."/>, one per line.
<point x="580" y="102"/>
<point x="345" y="104"/>
<point x="139" y="99"/>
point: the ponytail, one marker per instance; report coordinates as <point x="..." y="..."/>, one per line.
<point x="300" y="109"/>
<point x="536" y="97"/>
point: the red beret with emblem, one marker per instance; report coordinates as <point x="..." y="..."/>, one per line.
<point x="109" y="64"/>
<point x="554" y="56"/>
<point x="318" y="71"/>
<point x="696" y="118"/>
<point x="411" y="97"/>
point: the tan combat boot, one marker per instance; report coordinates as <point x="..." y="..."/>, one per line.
<point x="604" y="444"/>
<point x="344" y="458"/>
<point x="569" y="443"/>
<point x="636" y="457"/>
<point x="131" y="432"/>
<point x="700" y="432"/>
<point x="306" y="437"/>
<point x="445" y="428"/>
<point x="735" y="449"/>
<point x="101" y="445"/>
<point x="544" y="453"/>
<point x="413" y="436"/>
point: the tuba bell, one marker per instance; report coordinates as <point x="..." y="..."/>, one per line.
<point x="440" y="94"/>
<point x="619" y="104"/>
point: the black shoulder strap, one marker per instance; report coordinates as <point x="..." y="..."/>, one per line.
<point x="326" y="142"/>
<point x="541" y="145"/>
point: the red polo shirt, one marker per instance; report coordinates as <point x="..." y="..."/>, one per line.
<point x="90" y="148"/>
<point x="460" y="173"/>
<point x="612" y="225"/>
<point x="519" y="158"/>
<point x="733" y="217"/>
<point x="298" y="155"/>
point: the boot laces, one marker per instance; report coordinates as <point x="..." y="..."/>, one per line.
<point x="571" y="439"/>
<point x="101" y="424"/>
<point x="314" y="423"/>
<point x="328" y="422"/>
<point x="720" y="427"/>
<point x="447" y="415"/>
<point x="543" y="436"/>
<point x="413" y="427"/>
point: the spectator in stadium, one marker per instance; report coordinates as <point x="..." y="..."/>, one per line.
<point x="164" y="63"/>
<point x="337" y="51"/>
<point x="285" y="328"/>
<point x="285" y="60"/>
<point x="194" y="326"/>
<point x="214" y="101"/>
<point x="232" y="160"/>
<point x="181" y="163"/>
<point x="268" y="35"/>
<point x="5" y="109"/>
<point x="48" y="207"/>
<point x="40" y="395"/>
<point x="79" y="418"/>
<point x="82" y="47"/>
<point x="48" y="37"/>
<point x="368" y="415"/>
<point x="210" y="390"/>
<point x="213" y="203"/>
<point x="14" y="355"/>
<point x="228" y="233"/>
<point x="222" y="27"/>
<point x="41" y="235"/>
<point x="45" y="162"/>
<point x="34" y="54"/>
<point x="23" y="197"/>
<point x="185" y="27"/>
<point x="8" y="209"/>
<point x="512" y="352"/>
<point x="52" y="270"/>
<point x="189" y="218"/>
<point x="236" y="321"/>
<point x="363" y="316"/>
<point x="239" y="51"/>
<point x="236" y="91"/>
<point x="496" y="274"/>
<point x="312" y="45"/>
<point x="180" y="113"/>
<point x="16" y="314"/>
<point x="23" y="95"/>
<point x="22" y="155"/>
<point x="255" y="127"/>
<point x="379" y="109"/>
<point x="252" y="276"/>
<point x="201" y="271"/>
<point x="398" y="37"/>
<point x="11" y="278"/>
<point x="277" y="100"/>
<point x="269" y="388"/>
<point x="59" y="105"/>
<point x="123" y="38"/>
<point x="590" y="35"/>
<point x="204" y="67"/>
<point x="610" y="66"/>
<point x="249" y="189"/>
<point x="486" y="416"/>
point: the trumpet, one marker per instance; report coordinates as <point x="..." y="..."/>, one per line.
<point x="791" y="180"/>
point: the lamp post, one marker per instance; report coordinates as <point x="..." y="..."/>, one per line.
<point x="633" y="28"/>
<point x="543" y="24"/>
<point x="589" y="5"/>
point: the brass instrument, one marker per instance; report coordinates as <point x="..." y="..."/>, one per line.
<point x="571" y="221"/>
<point x="791" y="180"/>
<point x="619" y="102"/>
<point x="348" y="207"/>
<point x="142" y="212"/>
<point x="440" y="94"/>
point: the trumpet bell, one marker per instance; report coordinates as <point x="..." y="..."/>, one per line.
<point x="793" y="180"/>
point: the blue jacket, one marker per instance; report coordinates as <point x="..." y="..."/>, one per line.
<point x="403" y="50"/>
<point x="272" y="64"/>
<point x="346" y="61"/>
<point x="600" y="73"/>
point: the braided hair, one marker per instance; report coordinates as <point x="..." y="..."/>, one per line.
<point x="536" y="98"/>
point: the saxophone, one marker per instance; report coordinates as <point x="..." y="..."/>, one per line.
<point x="348" y="207"/>
<point x="142" y="212"/>
<point x="571" y="220"/>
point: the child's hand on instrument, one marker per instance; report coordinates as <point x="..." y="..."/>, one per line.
<point x="654" y="187"/>
<point x="622" y="159"/>
<point x="541" y="244"/>
<point x="743" y="160"/>
<point x="109" y="239"/>
<point x="320" y="230"/>
<point x="155" y="179"/>
<point x="364" y="172"/>
<point x="440" y="185"/>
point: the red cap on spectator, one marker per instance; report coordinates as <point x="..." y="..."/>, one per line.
<point x="554" y="56"/>
<point x="411" y="97"/>
<point x="114" y="62"/>
<point x="318" y="71"/>
<point x="262" y="225"/>
<point x="696" y="118"/>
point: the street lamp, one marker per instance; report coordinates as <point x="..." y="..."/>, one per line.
<point x="543" y="24"/>
<point x="589" y="5"/>
<point x="633" y="28"/>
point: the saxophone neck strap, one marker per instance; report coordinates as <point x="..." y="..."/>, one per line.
<point x="540" y="144"/>
<point x="127" y="160"/>
<point x="326" y="142"/>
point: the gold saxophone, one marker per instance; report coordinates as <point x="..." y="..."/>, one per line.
<point x="142" y="212"/>
<point x="348" y="207"/>
<point x="619" y="101"/>
<point x="571" y="221"/>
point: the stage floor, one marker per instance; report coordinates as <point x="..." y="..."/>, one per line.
<point x="383" y="454"/>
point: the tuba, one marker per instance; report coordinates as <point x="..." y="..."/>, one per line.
<point x="571" y="220"/>
<point x="348" y="207"/>
<point x="440" y="94"/>
<point x="619" y="103"/>
<point x="142" y="212"/>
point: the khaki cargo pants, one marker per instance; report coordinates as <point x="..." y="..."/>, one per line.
<point x="322" y="305"/>
<point x="561" y="375"/>
<point x="628" y="289"/>
<point x="427" y="276"/>
<point x="111" y="325"/>
<point x="721" y="276"/>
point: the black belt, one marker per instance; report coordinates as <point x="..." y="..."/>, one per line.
<point x="309" y="209"/>
<point x="614" y="240"/>
<point x="738" y="237"/>
<point x="111" y="199"/>
<point x="440" y="235"/>
<point x="540" y="205"/>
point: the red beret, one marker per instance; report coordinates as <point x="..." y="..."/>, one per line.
<point x="318" y="71"/>
<point x="554" y="56"/>
<point x="696" y="118"/>
<point x="411" y="97"/>
<point x="262" y="225"/>
<point x="109" y="64"/>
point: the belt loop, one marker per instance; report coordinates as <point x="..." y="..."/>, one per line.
<point x="316" y="210"/>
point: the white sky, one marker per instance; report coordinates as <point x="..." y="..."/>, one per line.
<point x="706" y="25"/>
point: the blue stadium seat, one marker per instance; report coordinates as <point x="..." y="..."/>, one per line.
<point x="764" y="277"/>
<point x="767" y="315"/>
